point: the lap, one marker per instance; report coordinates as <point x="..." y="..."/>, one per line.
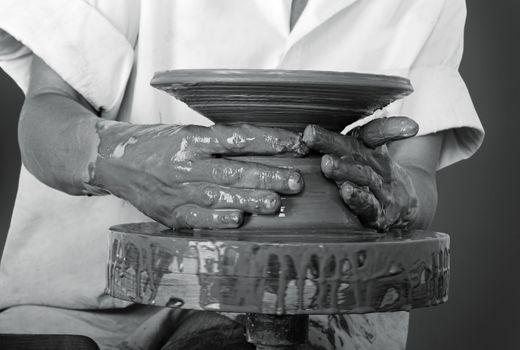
<point x="375" y="331"/>
<point x="150" y="327"/>
<point x="363" y="332"/>
<point x="108" y="328"/>
<point x="208" y="331"/>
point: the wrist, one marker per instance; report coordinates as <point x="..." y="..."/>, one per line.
<point x="127" y="154"/>
<point x="424" y="186"/>
<point x="105" y="170"/>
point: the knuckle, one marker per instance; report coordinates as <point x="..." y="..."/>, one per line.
<point x="236" y="141"/>
<point x="276" y="179"/>
<point x="263" y="201"/>
<point x="269" y="176"/>
<point x="234" y="138"/>
<point x="257" y="177"/>
<point x="210" y="195"/>
<point x="227" y="174"/>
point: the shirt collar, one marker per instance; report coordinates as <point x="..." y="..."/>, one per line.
<point x="315" y="14"/>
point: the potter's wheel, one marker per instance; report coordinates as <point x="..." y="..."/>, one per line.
<point x="305" y="272"/>
<point x="314" y="257"/>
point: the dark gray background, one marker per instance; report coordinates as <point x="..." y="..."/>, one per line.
<point x="478" y="204"/>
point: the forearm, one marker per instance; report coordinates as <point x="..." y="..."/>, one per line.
<point x="67" y="147"/>
<point x="170" y="173"/>
<point x="59" y="141"/>
<point x="61" y="137"/>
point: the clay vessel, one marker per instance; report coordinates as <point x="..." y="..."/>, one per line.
<point x="291" y="100"/>
<point x="317" y="206"/>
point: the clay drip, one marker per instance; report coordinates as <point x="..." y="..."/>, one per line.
<point x="280" y="278"/>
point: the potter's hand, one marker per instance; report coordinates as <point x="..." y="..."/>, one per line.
<point x="172" y="174"/>
<point x="377" y="189"/>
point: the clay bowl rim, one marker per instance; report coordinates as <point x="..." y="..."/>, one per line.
<point x="333" y="79"/>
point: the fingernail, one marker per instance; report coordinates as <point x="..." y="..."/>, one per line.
<point x="295" y="181"/>
<point x="409" y="127"/>
<point x="270" y="202"/>
<point x="233" y="218"/>
<point x="309" y="135"/>
<point x="347" y="191"/>
<point x="236" y="218"/>
<point x="327" y="163"/>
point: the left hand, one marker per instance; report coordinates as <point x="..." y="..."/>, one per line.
<point x="377" y="189"/>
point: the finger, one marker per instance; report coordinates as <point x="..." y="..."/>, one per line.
<point x="383" y="130"/>
<point x="221" y="197"/>
<point x="324" y="141"/>
<point x="193" y="216"/>
<point x="343" y="169"/>
<point x="244" y="139"/>
<point x="244" y="175"/>
<point x="349" y="147"/>
<point x="363" y="203"/>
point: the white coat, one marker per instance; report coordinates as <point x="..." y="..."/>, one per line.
<point x="108" y="51"/>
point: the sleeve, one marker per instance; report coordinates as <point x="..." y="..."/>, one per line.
<point x="441" y="101"/>
<point x="89" y="51"/>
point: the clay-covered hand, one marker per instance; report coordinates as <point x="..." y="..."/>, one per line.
<point x="175" y="175"/>
<point x="377" y="189"/>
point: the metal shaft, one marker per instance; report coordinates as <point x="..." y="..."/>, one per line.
<point x="273" y="332"/>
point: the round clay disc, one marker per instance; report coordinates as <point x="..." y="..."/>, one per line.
<point x="282" y="98"/>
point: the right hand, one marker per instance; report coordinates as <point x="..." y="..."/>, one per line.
<point x="171" y="173"/>
<point x="374" y="186"/>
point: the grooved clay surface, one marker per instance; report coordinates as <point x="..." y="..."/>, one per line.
<point x="282" y="98"/>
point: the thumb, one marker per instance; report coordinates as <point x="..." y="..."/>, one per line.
<point x="384" y="130"/>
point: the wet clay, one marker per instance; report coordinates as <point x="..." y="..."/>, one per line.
<point x="317" y="206"/>
<point x="172" y="173"/>
<point x="282" y="98"/>
<point x="268" y="272"/>
<point x="292" y="100"/>
<point x="374" y="186"/>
